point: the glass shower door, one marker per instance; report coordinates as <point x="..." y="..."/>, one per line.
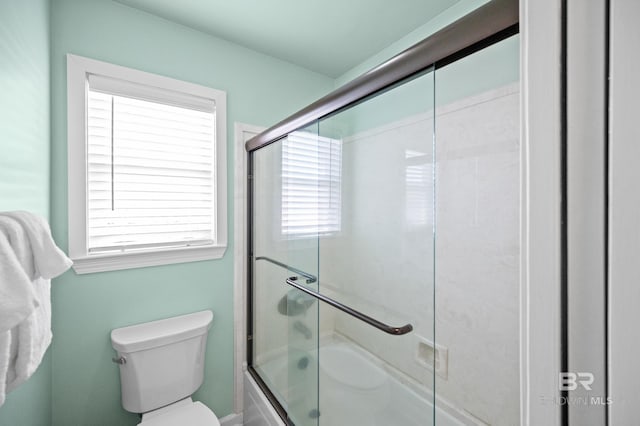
<point x="285" y="248"/>
<point x="478" y="238"/>
<point x="345" y="255"/>
<point x="301" y="191"/>
<point x="343" y="264"/>
<point x="376" y="256"/>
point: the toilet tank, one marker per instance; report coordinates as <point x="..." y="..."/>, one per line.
<point x="162" y="361"/>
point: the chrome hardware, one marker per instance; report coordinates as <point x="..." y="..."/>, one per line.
<point x="121" y="360"/>
<point x="310" y="278"/>
<point x="397" y="331"/>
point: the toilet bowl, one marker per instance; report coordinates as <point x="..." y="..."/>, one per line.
<point x="161" y="365"/>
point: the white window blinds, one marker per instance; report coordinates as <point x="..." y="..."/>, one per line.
<point x="311" y="175"/>
<point x="150" y="176"/>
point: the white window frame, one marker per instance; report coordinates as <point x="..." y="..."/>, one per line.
<point x="78" y="70"/>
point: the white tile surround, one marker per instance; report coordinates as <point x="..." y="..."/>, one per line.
<point x="476" y="252"/>
<point x="477" y="235"/>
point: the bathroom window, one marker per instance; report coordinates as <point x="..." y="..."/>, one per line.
<point x="311" y="180"/>
<point x="147" y="174"/>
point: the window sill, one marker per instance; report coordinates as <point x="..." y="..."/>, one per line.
<point x="114" y="262"/>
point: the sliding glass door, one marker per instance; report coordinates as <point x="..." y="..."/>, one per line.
<point x="385" y="254"/>
<point x="343" y="263"/>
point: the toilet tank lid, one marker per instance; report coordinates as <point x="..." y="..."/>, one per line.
<point x="161" y="332"/>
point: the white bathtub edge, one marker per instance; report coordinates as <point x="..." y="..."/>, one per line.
<point x="232" y="420"/>
<point x="258" y="411"/>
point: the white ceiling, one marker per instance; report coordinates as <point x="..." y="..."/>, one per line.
<point x="328" y="36"/>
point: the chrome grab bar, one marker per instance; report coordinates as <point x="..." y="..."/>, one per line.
<point x="310" y="278"/>
<point x="397" y="331"/>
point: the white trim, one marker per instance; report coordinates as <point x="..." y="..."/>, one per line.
<point x="242" y="132"/>
<point x="624" y="203"/>
<point x="78" y="70"/>
<point x="88" y="265"/>
<point x="586" y="112"/>
<point x="76" y="156"/>
<point x="540" y="324"/>
<point x="232" y="420"/>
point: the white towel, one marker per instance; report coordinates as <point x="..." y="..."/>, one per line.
<point x="17" y="295"/>
<point x="28" y="260"/>
<point x="31" y="338"/>
<point x="17" y="299"/>
<point x="49" y="260"/>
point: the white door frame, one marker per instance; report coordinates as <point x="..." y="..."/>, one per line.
<point x="624" y="208"/>
<point x="541" y="204"/>
<point x="580" y="66"/>
<point x="586" y="110"/>
<point x="242" y="132"/>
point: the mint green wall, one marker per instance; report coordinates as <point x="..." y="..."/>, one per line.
<point x="261" y="90"/>
<point x="496" y="66"/>
<point x="466" y="77"/>
<point x="24" y="159"/>
<point x="460" y="9"/>
<point x="24" y="106"/>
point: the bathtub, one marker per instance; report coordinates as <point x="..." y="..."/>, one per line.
<point x="356" y="388"/>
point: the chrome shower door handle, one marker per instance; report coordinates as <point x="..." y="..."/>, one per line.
<point x="396" y="331"/>
<point x="310" y="278"/>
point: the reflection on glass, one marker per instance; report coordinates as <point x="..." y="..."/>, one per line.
<point x="294" y="192"/>
<point x="418" y="183"/>
<point x="270" y="328"/>
<point x="311" y="184"/>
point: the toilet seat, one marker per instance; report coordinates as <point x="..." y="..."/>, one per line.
<point x="192" y="414"/>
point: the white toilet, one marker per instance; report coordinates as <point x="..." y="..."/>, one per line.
<point x="161" y="366"/>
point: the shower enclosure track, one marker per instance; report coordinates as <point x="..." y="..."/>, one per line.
<point x="486" y="25"/>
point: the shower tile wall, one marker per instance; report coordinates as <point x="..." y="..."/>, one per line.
<point x="382" y="261"/>
<point x="476" y="273"/>
<point x="477" y="251"/>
